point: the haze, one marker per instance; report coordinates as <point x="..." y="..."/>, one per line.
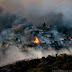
<point x="36" y="7"/>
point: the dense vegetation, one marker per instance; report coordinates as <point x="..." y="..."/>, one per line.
<point x="62" y="62"/>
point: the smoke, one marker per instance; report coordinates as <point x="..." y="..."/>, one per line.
<point x="37" y="8"/>
<point x="33" y="9"/>
<point x="39" y="11"/>
<point x="15" y="30"/>
<point x="14" y="54"/>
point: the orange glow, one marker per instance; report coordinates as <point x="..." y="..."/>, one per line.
<point x="49" y="48"/>
<point x="6" y="45"/>
<point x="70" y="38"/>
<point x="36" y="40"/>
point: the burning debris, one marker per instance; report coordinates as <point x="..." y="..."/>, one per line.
<point x="42" y="36"/>
<point x="4" y="44"/>
<point x="50" y="37"/>
<point x="7" y="45"/>
<point x="70" y="38"/>
<point x="20" y="31"/>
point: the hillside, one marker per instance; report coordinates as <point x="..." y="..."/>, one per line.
<point x="60" y="62"/>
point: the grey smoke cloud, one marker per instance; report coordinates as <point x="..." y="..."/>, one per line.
<point x="37" y="7"/>
<point x="33" y="10"/>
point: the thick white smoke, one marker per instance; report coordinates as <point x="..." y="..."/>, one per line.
<point x="14" y="54"/>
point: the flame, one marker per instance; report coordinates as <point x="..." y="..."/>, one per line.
<point x="70" y="38"/>
<point x="36" y="40"/>
<point x="7" y="45"/>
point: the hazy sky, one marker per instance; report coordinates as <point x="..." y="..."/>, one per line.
<point x="31" y="4"/>
<point x="38" y="7"/>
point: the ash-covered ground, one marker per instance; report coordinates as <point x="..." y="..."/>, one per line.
<point x="17" y="37"/>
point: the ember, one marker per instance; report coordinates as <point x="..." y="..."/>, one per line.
<point x="36" y="40"/>
<point x="7" y="45"/>
<point x="70" y="38"/>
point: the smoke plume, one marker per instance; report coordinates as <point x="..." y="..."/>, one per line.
<point x="19" y="17"/>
